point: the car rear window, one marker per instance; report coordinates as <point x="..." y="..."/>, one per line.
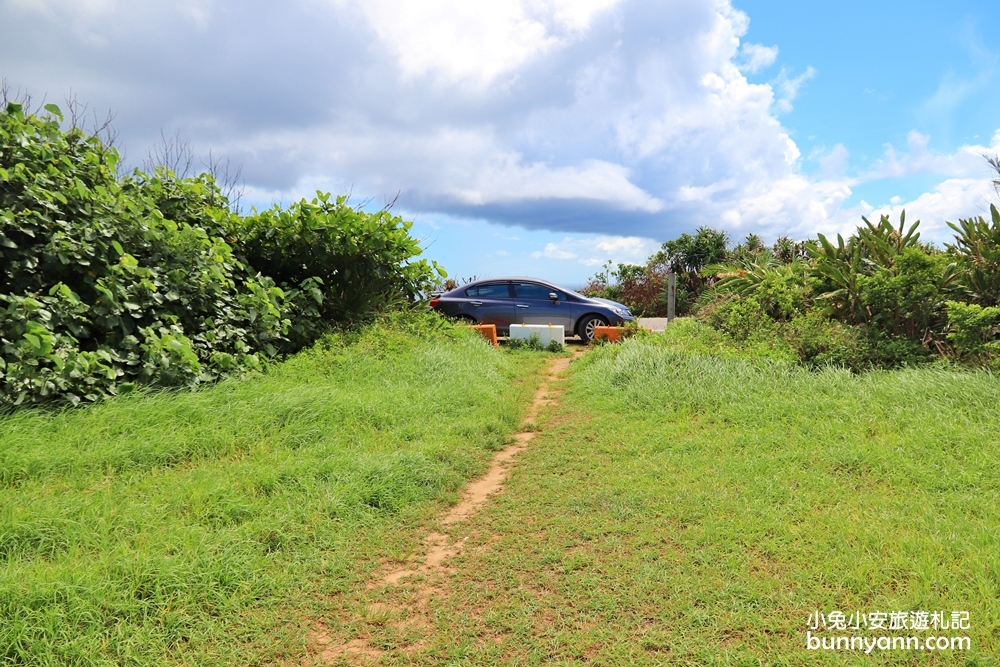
<point x="490" y="291"/>
<point x="535" y="291"/>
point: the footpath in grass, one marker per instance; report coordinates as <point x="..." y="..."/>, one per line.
<point x="397" y="625"/>
<point x="210" y="527"/>
<point x="685" y="507"/>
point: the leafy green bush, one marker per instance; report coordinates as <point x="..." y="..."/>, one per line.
<point x="972" y="329"/>
<point x="98" y="288"/>
<point x="884" y="280"/>
<point x="742" y="317"/>
<point x="907" y="298"/>
<point x="109" y="282"/>
<point x="821" y="341"/>
<point x="880" y="298"/>
<point x="781" y="289"/>
<point x="336" y="263"/>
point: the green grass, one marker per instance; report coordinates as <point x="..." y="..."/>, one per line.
<point x="681" y="503"/>
<point x="209" y="527"/>
<point x="686" y="506"/>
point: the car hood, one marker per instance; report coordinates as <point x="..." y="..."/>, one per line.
<point x="609" y="302"/>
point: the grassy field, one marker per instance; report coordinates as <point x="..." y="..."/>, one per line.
<point x="680" y="503"/>
<point x="208" y="527"/>
<point x="683" y="505"/>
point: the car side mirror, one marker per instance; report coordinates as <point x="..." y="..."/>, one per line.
<point x="553" y="296"/>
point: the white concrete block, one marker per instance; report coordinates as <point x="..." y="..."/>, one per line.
<point x="545" y="332"/>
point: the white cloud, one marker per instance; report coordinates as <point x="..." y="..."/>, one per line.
<point x="755" y="57"/>
<point x="800" y="206"/>
<point x="948" y="201"/>
<point x="595" y="250"/>
<point x="966" y="161"/>
<point x="952" y="91"/>
<point x="566" y="114"/>
<point x="612" y="121"/>
<point x="788" y="86"/>
<point x="553" y="251"/>
<point x="477" y="40"/>
<point x="834" y="163"/>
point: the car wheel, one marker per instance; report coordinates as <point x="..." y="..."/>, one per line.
<point x="586" y="327"/>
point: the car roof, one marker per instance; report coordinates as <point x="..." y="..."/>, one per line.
<point x="506" y="279"/>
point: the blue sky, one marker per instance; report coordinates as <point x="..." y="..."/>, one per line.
<point x="883" y="70"/>
<point x="544" y="137"/>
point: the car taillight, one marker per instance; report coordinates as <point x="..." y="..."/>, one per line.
<point x="435" y="302"/>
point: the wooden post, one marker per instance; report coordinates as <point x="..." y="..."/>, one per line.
<point x="671" y="296"/>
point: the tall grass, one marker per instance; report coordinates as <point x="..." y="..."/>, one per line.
<point x="203" y="527"/>
<point x="789" y="490"/>
<point x="687" y="504"/>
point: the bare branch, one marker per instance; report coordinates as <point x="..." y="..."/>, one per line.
<point x="389" y="203"/>
<point x="20" y="96"/>
<point x="102" y="128"/>
<point x="231" y="183"/>
<point x="75" y="110"/>
<point x="173" y="152"/>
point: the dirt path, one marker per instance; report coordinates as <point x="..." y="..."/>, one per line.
<point x="425" y="573"/>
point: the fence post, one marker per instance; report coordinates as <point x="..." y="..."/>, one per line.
<point x="671" y="296"/>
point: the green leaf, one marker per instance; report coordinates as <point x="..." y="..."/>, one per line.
<point x="54" y="110"/>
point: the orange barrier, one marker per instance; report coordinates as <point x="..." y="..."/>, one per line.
<point x="487" y="331"/>
<point x="615" y="334"/>
<point x="610" y="334"/>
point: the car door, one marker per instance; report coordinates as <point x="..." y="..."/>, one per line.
<point x="491" y="303"/>
<point x="533" y="305"/>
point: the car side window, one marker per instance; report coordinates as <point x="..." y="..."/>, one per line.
<point x="489" y="291"/>
<point x="535" y="291"/>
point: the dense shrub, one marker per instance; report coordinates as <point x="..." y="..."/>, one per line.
<point x="972" y="329"/>
<point x="781" y="289"/>
<point x="811" y="336"/>
<point x="109" y="282"/>
<point x="742" y="317"/>
<point x="99" y="289"/>
<point x="336" y="263"/>
<point x="907" y="298"/>
<point x="821" y="341"/>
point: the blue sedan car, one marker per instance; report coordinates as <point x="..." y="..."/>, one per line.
<point x="506" y="301"/>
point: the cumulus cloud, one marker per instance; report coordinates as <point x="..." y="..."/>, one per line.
<point x="625" y="117"/>
<point x="476" y="41"/>
<point x="965" y="189"/>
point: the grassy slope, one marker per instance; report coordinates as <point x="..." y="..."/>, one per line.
<point x="205" y="527"/>
<point x="685" y="508"/>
